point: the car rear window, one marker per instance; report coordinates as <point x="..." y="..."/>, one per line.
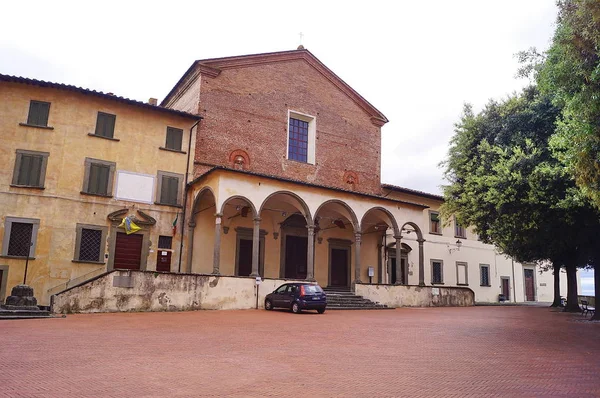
<point x="312" y="289"/>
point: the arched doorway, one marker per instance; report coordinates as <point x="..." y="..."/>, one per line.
<point x="376" y="224"/>
<point x="406" y="229"/>
<point x="238" y="219"/>
<point x="336" y="224"/>
<point x="291" y="216"/>
<point x="201" y="240"/>
<point x="398" y="275"/>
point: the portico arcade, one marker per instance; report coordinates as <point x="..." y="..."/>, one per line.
<point x="244" y="224"/>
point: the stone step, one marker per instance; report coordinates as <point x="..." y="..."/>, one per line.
<point x="358" y="308"/>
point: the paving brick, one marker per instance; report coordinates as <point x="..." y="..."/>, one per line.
<point x="432" y="352"/>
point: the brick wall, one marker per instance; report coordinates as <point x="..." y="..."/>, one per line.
<point x="246" y="108"/>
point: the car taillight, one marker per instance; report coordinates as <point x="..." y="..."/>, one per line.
<point x="302" y="291"/>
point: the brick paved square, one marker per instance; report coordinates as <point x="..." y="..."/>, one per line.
<point x="445" y="352"/>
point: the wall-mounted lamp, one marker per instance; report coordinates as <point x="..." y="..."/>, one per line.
<point x="455" y="249"/>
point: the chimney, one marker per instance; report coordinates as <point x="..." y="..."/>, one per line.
<point x="153" y="101"/>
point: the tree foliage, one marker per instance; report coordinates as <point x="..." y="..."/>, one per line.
<point x="505" y="182"/>
<point x="571" y="74"/>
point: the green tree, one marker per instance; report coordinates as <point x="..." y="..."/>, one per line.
<point x="571" y="74"/>
<point x="505" y="182"/>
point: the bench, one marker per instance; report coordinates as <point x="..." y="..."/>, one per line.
<point x="585" y="309"/>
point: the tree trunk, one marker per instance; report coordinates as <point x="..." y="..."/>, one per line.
<point x="572" y="299"/>
<point x="556" y="267"/>
<point x="596" y="316"/>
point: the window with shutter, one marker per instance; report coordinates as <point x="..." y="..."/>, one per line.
<point x="38" y="113"/>
<point x="167" y="192"/>
<point x="105" y="125"/>
<point x="434" y="222"/>
<point x="98" y="183"/>
<point x="98" y="178"/>
<point x="30" y="168"/>
<point x="174" y="138"/>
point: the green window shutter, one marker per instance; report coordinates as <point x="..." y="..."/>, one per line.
<point x="174" y="138"/>
<point x="169" y="190"/>
<point x="38" y="113"/>
<point x="98" y="182"/>
<point x="435" y="217"/>
<point x="105" y="125"/>
<point x="30" y="170"/>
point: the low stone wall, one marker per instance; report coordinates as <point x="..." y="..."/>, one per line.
<point x="417" y="296"/>
<point x="129" y="291"/>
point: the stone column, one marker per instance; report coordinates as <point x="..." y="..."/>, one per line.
<point x="357" y="241"/>
<point x="398" y="259"/>
<point x="255" y="247"/>
<point x="190" y="249"/>
<point x="421" y="263"/>
<point x="380" y="265"/>
<point x="310" y="256"/>
<point x="217" y="247"/>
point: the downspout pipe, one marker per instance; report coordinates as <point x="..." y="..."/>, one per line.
<point x="185" y="194"/>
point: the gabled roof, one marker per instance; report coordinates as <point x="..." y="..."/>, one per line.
<point x="412" y="192"/>
<point x="61" y="86"/>
<point x="214" y="66"/>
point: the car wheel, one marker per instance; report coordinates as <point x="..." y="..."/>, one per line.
<point x="296" y="308"/>
<point x="321" y="310"/>
<point x="268" y="305"/>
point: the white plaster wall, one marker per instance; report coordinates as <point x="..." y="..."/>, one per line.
<point x="152" y="291"/>
<point x="414" y="296"/>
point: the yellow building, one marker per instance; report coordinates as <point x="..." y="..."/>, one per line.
<point x="76" y="162"/>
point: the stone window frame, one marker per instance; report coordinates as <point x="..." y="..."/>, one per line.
<point x="458" y="264"/>
<point x="3" y="281"/>
<point x="435" y="260"/>
<point x="114" y="126"/>
<point x="160" y="175"/>
<point x="79" y="228"/>
<point x="481" y="267"/>
<point x="171" y="129"/>
<point x="111" y="176"/>
<point x="439" y="221"/>
<point x="8" y="221"/>
<point x="248" y="234"/>
<point x="312" y="135"/>
<point x="459" y="230"/>
<point x="31" y="116"/>
<point x="18" y="159"/>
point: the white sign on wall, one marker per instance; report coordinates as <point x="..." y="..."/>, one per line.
<point x="135" y="187"/>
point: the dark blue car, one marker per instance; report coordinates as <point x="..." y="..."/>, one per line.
<point x="297" y="297"/>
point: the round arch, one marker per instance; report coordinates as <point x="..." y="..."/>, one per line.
<point x="239" y="197"/>
<point x="386" y="212"/>
<point x="353" y="218"/>
<point x="415" y="227"/>
<point x="300" y="201"/>
<point x="200" y="195"/>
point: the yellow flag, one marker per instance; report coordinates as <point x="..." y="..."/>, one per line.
<point x="129" y="226"/>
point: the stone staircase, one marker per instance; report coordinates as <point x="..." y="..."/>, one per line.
<point x="342" y="298"/>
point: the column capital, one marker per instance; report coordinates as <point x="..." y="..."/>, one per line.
<point x="420" y="240"/>
<point x="310" y="227"/>
<point x="218" y="215"/>
<point x="192" y="224"/>
<point x="398" y="237"/>
<point x="358" y="236"/>
<point x="257" y="219"/>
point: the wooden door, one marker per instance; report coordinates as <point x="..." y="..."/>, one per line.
<point x="506" y="288"/>
<point x="529" y="285"/>
<point x="163" y="261"/>
<point x="245" y="257"/>
<point x="128" y="251"/>
<point x="339" y="267"/>
<point x="295" y="256"/>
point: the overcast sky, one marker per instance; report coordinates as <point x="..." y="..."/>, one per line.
<point x="416" y="61"/>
